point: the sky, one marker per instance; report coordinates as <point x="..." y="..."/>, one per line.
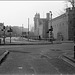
<point x="16" y="13"/>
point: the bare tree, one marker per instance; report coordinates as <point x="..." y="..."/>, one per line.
<point x="72" y="2"/>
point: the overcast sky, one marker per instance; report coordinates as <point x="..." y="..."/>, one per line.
<point x="16" y="13"/>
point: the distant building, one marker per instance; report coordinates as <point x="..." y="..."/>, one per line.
<point x="62" y="25"/>
<point x="40" y="26"/>
<point x="1" y="27"/>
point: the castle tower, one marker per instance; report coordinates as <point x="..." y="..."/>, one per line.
<point x="36" y="24"/>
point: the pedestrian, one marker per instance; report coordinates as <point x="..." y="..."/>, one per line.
<point x="39" y="37"/>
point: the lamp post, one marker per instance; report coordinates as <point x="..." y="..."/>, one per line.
<point x="50" y="28"/>
<point x="22" y="31"/>
<point x="28" y="29"/>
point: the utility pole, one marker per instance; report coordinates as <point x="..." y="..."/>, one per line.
<point x="28" y="29"/>
<point x="10" y="35"/>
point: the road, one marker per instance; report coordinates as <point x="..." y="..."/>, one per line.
<point x="37" y="59"/>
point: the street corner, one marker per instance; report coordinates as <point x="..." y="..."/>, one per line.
<point x="3" y="56"/>
<point x="69" y="59"/>
<point x="68" y="54"/>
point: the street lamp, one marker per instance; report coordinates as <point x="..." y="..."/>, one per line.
<point x="22" y="31"/>
<point x="50" y="27"/>
<point x="28" y="29"/>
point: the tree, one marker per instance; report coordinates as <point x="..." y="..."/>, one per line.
<point x="72" y="2"/>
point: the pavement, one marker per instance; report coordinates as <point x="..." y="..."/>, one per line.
<point x="67" y="56"/>
<point x="25" y="41"/>
<point x="29" y="43"/>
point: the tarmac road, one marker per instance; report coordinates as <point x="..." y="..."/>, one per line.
<point x="22" y="63"/>
<point x="32" y="59"/>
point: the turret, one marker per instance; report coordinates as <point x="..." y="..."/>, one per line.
<point x="47" y="16"/>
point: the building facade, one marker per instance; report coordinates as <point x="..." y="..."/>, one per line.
<point x="62" y="25"/>
<point x="40" y="26"/>
<point x="1" y="27"/>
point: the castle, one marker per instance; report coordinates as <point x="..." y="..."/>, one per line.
<point x="63" y="25"/>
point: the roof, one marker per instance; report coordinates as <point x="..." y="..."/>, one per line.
<point x="59" y="17"/>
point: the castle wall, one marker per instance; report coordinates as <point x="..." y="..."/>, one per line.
<point x="60" y="27"/>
